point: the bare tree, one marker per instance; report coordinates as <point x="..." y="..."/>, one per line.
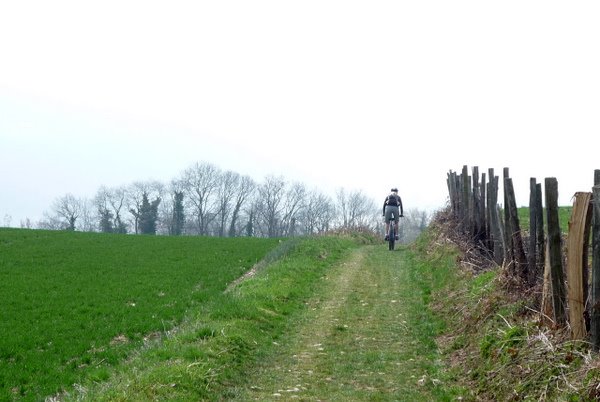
<point x="109" y="203"/>
<point x="269" y="208"/>
<point x="87" y="218"/>
<point x="251" y="225"/>
<point x="227" y="182"/>
<point x="64" y="213"/>
<point x="165" y="209"/>
<point x="26" y="224"/>
<point x="360" y="209"/>
<point x="356" y="209"/>
<point x="294" y="201"/>
<point x="200" y="184"/>
<point x="51" y="222"/>
<point x="318" y="213"/>
<point x="105" y="216"/>
<point x="117" y="200"/>
<point x="244" y="191"/>
<point x="342" y="207"/>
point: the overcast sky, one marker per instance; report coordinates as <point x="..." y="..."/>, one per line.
<point x="321" y="92"/>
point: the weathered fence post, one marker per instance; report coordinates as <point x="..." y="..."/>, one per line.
<point x="485" y="225"/>
<point x="488" y="215"/>
<point x="466" y="207"/>
<point x="457" y="188"/>
<point x="541" y="243"/>
<point x="453" y="193"/>
<point x="507" y="231"/>
<point x="577" y="263"/>
<point x="536" y="232"/>
<point x="547" y="311"/>
<point x="533" y="263"/>
<point x="496" y="234"/>
<point x="520" y="260"/>
<point x="595" y="308"/>
<point x="476" y="223"/>
<point x="555" y="251"/>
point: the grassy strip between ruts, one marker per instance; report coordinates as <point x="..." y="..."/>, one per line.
<point x="223" y="338"/>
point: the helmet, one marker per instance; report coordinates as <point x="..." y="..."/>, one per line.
<point x="394" y="190"/>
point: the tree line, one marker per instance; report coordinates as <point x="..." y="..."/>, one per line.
<point x="205" y="200"/>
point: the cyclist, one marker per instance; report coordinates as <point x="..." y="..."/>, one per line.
<point x="392" y="205"/>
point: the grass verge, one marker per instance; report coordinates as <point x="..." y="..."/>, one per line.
<point x="434" y="269"/>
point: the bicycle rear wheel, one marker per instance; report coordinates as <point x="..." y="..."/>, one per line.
<point x="391" y="235"/>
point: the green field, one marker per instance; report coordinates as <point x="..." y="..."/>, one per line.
<point x="564" y="214"/>
<point x="73" y="305"/>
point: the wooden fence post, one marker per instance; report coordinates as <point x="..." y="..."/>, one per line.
<point x="452" y="192"/>
<point x="485" y="226"/>
<point x="496" y="234"/>
<point x="577" y="263"/>
<point x="488" y="215"/>
<point x="555" y="251"/>
<point x="457" y="183"/>
<point x="476" y="199"/>
<point x="595" y="308"/>
<point x="478" y="207"/>
<point x="507" y="231"/>
<point x="541" y="243"/>
<point x="466" y="207"/>
<point x="533" y="253"/>
<point x="520" y="260"/>
<point x="547" y="311"/>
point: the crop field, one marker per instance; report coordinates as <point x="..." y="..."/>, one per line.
<point x="72" y="305"/>
<point x="564" y="214"/>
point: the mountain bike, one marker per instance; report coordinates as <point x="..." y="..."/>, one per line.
<point x="392" y="233"/>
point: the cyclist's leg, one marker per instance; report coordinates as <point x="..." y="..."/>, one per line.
<point x="388" y="215"/>
<point x="396" y="221"/>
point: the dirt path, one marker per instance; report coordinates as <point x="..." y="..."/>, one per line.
<point x="354" y="341"/>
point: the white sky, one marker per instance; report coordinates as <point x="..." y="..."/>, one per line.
<point x="321" y="92"/>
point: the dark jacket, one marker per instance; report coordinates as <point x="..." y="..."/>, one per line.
<point x="394" y="200"/>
